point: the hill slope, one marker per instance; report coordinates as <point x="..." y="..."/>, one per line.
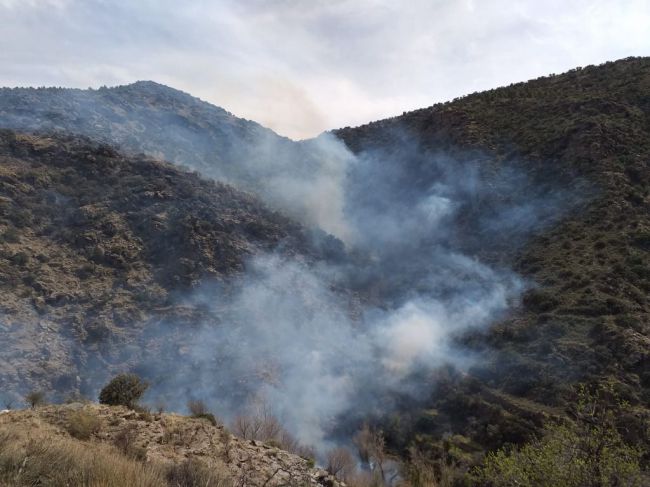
<point x="141" y="117"/>
<point x="112" y="446"/>
<point x="93" y="246"/>
<point x="589" y="318"/>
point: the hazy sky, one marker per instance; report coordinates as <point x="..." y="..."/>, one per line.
<point x="303" y="66"/>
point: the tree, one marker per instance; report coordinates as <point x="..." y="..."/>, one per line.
<point x="35" y="399"/>
<point x="123" y="390"/>
<point x="370" y="447"/>
<point x="341" y="463"/>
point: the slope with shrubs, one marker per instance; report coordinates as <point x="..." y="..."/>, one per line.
<point x="93" y="246"/>
<point x="587" y="317"/>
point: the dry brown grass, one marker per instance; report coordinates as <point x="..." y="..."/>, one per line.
<point x="37" y="448"/>
<point x="83" y="424"/>
<point x="193" y="472"/>
<point x="40" y="457"/>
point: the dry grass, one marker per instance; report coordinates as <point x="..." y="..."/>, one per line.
<point x="83" y="424"/>
<point x="40" y="457"/>
<point x="37" y="448"/>
<point x="194" y="472"/>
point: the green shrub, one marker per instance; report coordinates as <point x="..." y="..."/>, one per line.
<point x="587" y="452"/>
<point x="198" y="409"/>
<point x="123" y="390"/>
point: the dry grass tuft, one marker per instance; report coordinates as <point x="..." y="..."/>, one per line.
<point x="83" y="424"/>
<point x="45" y="459"/>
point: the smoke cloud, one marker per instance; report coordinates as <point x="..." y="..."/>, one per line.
<point x="316" y="342"/>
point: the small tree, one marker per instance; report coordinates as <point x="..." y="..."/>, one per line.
<point x="370" y="447"/>
<point x="35" y="399"/>
<point x="198" y="409"/>
<point x="123" y="390"/>
<point x="341" y="463"/>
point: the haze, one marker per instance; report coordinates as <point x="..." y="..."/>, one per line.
<point x="301" y="67"/>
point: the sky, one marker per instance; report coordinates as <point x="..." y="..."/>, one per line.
<point x="304" y="66"/>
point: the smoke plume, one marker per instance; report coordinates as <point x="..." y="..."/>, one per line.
<point x="319" y="341"/>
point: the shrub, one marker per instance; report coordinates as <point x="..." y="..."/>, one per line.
<point x="341" y="463"/>
<point x="83" y="424"/>
<point x="198" y="409"/>
<point x="194" y="473"/>
<point x="588" y="452"/>
<point x="123" y="390"/>
<point x="11" y="235"/>
<point x="35" y="399"/>
<point x="539" y="300"/>
<point x="125" y="442"/>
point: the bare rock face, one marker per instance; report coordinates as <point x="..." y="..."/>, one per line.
<point x="165" y="440"/>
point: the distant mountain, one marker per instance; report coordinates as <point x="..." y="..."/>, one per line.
<point x="142" y="117"/>
<point x="150" y="118"/>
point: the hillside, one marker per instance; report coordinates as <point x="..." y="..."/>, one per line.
<point x="589" y="318"/>
<point x="88" y="444"/>
<point x="141" y="117"/>
<point x="94" y="246"/>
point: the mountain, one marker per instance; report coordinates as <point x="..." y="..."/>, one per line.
<point x="587" y="320"/>
<point x="150" y="118"/>
<point x="96" y="244"/>
<point x="548" y="178"/>
<point x="142" y="117"/>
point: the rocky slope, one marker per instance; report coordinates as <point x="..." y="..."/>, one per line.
<point x="153" y="444"/>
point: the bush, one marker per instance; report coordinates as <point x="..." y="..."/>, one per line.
<point x="126" y="442"/>
<point x="83" y="424"/>
<point x="35" y="399"/>
<point x="588" y="452"/>
<point x="538" y="300"/>
<point x="194" y="473"/>
<point x="198" y="409"/>
<point x="123" y="390"/>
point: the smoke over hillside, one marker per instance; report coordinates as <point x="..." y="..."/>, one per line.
<point x="318" y="342"/>
<point x="406" y="233"/>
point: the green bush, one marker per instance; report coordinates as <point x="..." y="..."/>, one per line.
<point x="198" y="409"/>
<point x="123" y="390"/>
<point x="587" y="452"/>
